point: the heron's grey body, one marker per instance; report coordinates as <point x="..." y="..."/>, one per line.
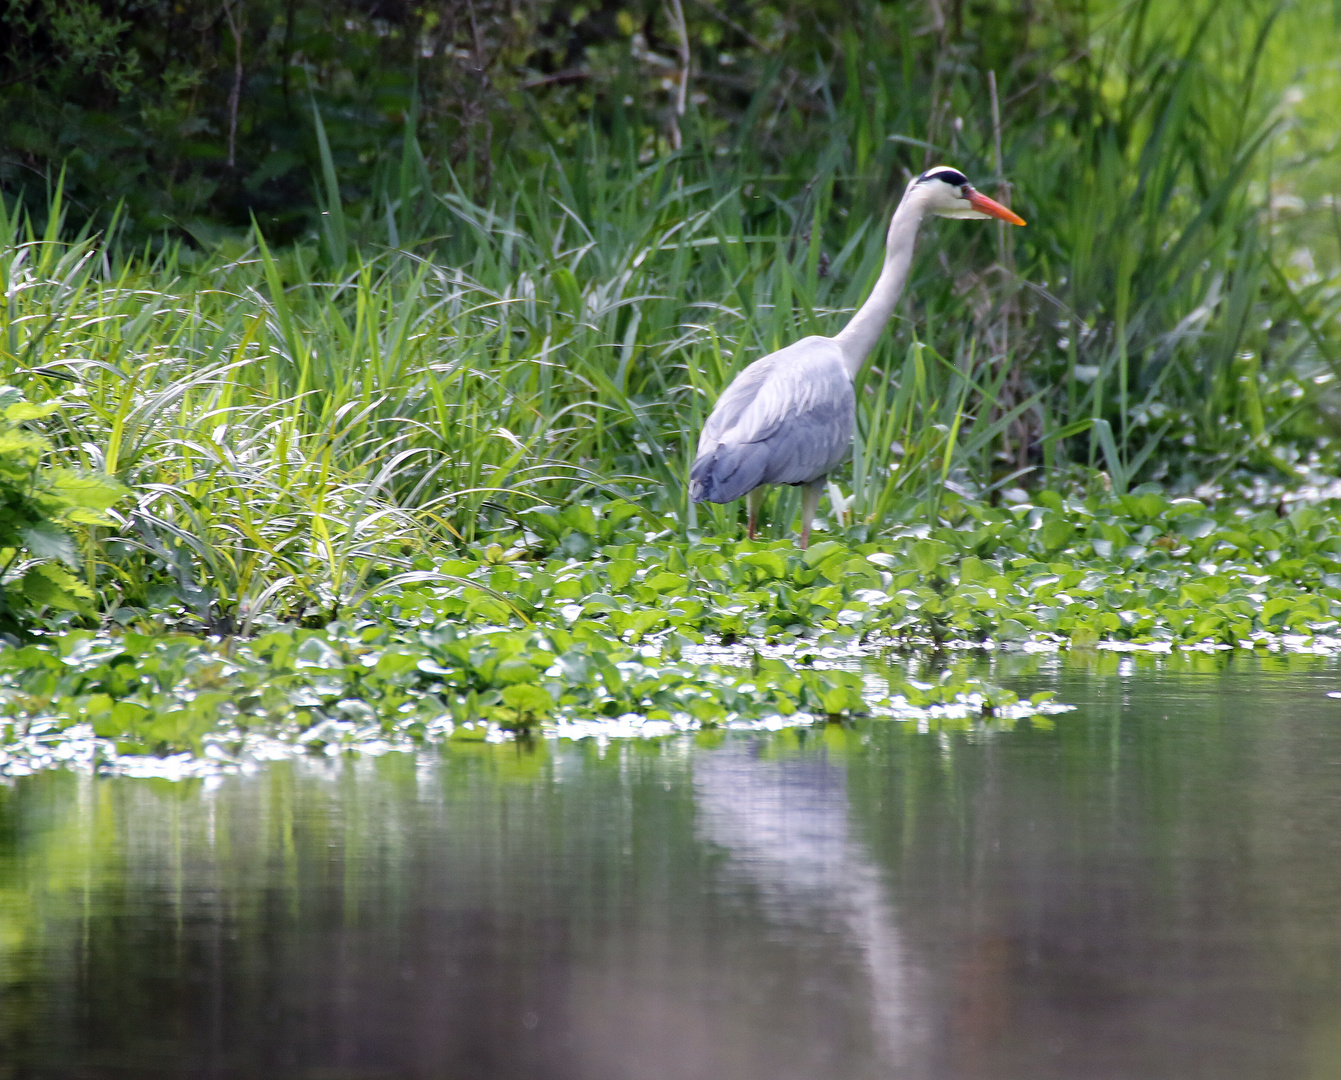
<point x="788" y="417"/>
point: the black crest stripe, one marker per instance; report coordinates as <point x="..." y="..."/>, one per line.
<point x="953" y="177"/>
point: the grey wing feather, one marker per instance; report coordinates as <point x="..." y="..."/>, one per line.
<point x="786" y="419"/>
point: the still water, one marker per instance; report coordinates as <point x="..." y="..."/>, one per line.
<point x="1147" y="887"/>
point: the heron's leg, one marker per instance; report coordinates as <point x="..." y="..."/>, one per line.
<point x="753" y="501"/>
<point x="810" y="498"/>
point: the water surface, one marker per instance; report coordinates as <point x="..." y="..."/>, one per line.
<point x="1147" y="887"/>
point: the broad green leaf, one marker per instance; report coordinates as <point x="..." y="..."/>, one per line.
<point x="528" y="699"/>
<point x="46" y="540"/>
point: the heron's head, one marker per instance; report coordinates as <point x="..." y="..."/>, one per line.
<point x="946" y="192"/>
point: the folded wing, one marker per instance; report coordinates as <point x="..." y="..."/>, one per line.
<point x="785" y="419"/>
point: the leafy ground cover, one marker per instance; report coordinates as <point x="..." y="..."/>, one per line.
<point x="651" y="635"/>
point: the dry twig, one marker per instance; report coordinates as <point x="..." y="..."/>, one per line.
<point x="675" y="13"/>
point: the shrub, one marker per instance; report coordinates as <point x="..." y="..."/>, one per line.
<point x="39" y="503"/>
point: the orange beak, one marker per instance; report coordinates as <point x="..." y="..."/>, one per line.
<point x="982" y="203"/>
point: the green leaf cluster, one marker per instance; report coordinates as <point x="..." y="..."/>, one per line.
<point x="1065" y="571"/>
<point x="353" y="684"/>
<point x="40" y="505"/>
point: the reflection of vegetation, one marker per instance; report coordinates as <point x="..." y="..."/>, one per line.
<point x="1152" y="735"/>
<point x="123" y="894"/>
<point x="1174" y="832"/>
<point x="327" y="896"/>
<point x="57" y="851"/>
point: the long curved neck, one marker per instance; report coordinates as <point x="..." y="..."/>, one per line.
<point x="859" y="336"/>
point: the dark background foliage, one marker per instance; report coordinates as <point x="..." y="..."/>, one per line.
<point x="196" y="114"/>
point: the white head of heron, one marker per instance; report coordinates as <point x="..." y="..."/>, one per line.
<point x="946" y="192"/>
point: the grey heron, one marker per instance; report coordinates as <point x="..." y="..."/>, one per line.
<point x="787" y="418"/>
